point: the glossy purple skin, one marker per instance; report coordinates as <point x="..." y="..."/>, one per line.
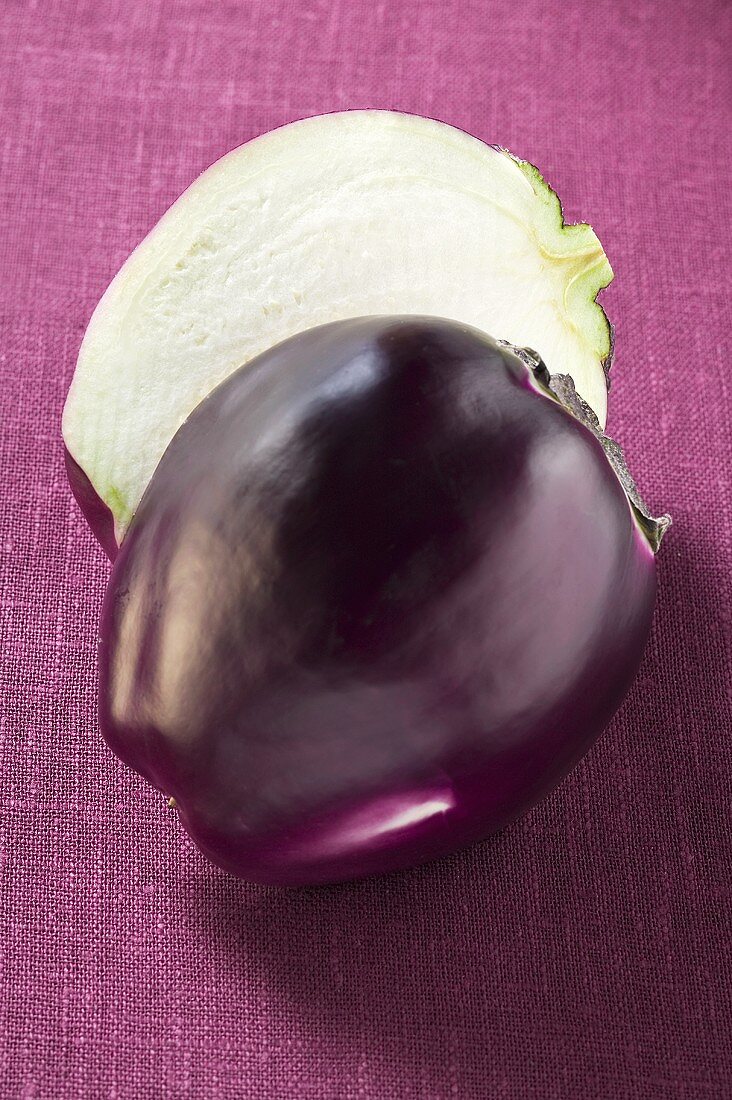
<point x="380" y="595"/>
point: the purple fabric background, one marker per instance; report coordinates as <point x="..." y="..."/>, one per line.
<point x="583" y="953"/>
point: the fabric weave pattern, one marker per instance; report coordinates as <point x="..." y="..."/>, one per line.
<point x="583" y="953"/>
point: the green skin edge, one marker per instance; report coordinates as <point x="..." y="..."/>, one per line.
<point x="593" y="279"/>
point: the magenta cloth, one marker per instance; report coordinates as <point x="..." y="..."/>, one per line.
<point x="584" y="953"/>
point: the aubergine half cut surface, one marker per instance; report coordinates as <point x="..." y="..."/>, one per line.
<point x="385" y="587"/>
<point x="339" y="216"/>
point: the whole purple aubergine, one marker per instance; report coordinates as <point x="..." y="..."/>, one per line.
<point x="386" y="586"/>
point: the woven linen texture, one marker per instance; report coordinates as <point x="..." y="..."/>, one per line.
<point x="583" y="953"/>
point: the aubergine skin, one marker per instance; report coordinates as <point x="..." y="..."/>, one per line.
<point x="95" y="511"/>
<point x="380" y="595"/>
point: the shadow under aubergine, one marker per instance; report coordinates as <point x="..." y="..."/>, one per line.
<point x="543" y="946"/>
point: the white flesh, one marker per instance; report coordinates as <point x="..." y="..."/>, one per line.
<point x="342" y="215"/>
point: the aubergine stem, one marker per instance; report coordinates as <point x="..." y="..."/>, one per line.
<point x="561" y="387"/>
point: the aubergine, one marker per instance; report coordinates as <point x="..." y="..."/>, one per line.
<point x="387" y="584"/>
